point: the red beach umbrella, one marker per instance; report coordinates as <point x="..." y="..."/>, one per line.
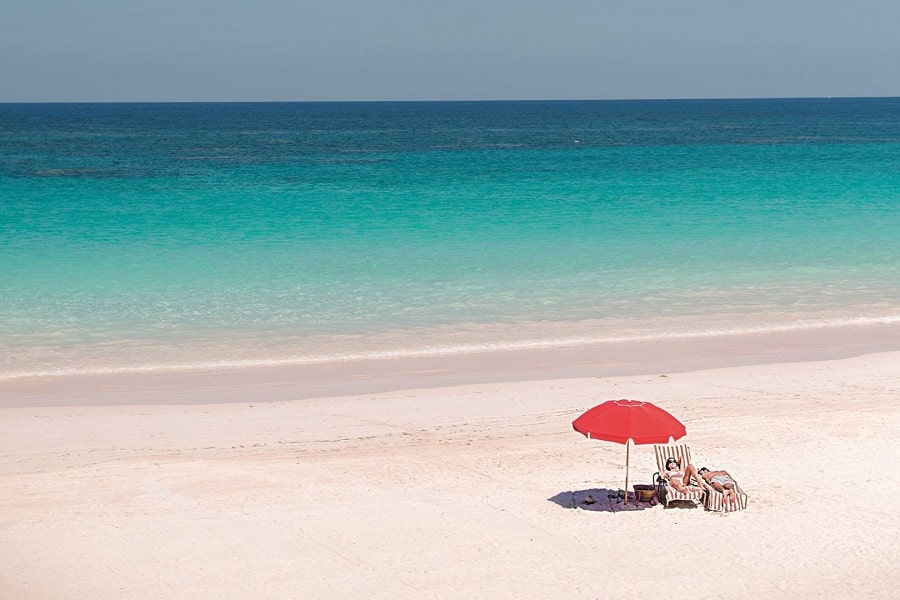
<point x="624" y="421"/>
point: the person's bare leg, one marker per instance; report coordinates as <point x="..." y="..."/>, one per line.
<point x="730" y="494"/>
<point x="721" y="489"/>
<point x="689" y="472"/>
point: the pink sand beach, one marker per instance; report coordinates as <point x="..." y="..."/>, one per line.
<point x="456" y="477"/>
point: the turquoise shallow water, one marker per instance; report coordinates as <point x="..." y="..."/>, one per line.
<point x="164" y="236"/>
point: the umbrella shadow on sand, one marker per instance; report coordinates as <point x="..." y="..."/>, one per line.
<point x="598" y="499"/>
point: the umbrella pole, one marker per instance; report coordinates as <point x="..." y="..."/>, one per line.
<point x="627" y="456"/>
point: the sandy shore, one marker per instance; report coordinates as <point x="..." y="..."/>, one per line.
<point x="225" y="486"/>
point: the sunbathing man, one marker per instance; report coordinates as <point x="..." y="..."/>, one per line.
<point x="680" y="478"/>
<point x="721" y="481"/>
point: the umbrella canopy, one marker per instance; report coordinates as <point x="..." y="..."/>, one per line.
<point x="624" y="421"/>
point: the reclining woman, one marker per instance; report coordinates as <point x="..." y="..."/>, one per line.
<point x="680" y="478"/>
<point x="722" y="482"/>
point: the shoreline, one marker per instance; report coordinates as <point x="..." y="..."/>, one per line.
<point x="374" y="375"/>
<point x="231" y="350"/>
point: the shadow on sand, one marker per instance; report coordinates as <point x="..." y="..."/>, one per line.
<point x="606" y="500"/>
<point x="599" y="499"/>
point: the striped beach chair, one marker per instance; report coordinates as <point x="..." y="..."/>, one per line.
<point x="667" y="493"/>
<point x="715" y="500"/>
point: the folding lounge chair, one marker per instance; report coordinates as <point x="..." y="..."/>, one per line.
<point x="667" y="493"/>
<point x="715" y="500"/>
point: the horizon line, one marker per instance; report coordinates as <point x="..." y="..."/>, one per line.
<point x="469" y="100"/>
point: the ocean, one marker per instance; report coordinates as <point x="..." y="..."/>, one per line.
<point x="140" y="237"/>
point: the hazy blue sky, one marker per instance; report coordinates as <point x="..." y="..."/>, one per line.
<point x="125" y="50"/>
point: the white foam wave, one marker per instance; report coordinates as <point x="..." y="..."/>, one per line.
<point x="452" y="349"/>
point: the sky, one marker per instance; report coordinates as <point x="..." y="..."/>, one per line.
<point x="304" y="50"/>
